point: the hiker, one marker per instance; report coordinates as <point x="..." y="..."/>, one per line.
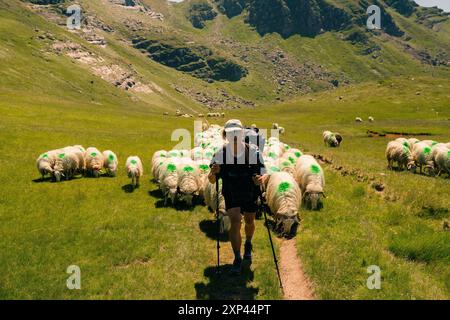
<point x="241" y="168"/>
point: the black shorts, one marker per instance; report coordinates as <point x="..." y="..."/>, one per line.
<point x="247" y="204"/>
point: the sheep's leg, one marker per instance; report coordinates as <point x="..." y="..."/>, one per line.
<point x="137" y="181"/>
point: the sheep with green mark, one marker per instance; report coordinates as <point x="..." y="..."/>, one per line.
<point x="67" y="163"/>
<point x="188" y="180"/>
<point x="284" y="199"/>
<point x="94" y="161"/>
<point x="203" y="168"/>
<point x="423" y="157"/>
<point x="111" y="163"/>
<point x="310" y="177"/>
<point x="134" y="169"/>
<point x="46" y="161"/>
<point x="441" y="158"/>
<point x="157" y="159"/>
<point x="168" y="179"/>
<point x="399" y="152"/>
<point x="412" y="142"/>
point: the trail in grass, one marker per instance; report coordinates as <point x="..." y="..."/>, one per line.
<point x="296" y="284"/>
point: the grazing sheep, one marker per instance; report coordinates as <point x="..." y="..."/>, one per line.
<point x="422" y="157"/>
<point x="111" y="163"/>
<point x="188" y="180"/>
<point x="284" y="198"/>
<point x="329" y="138"/>
<point x="94" y="161"/>
<point x="441" y="158"/>
<point x="281" y="130"/>
<point x="287" y="164"/>
<point x="203" y="168"/>
<point x="293" y="153"/>
<point x="134" y="169"/>
<point x="309" y="175"/>
<point x="168" y="179"/>
<point x="399" y="152"/>
<point x="66" y="165"/>
<point x="79" y="147"/>
<point x="46" y="161"/>
<point x="371" y="119"/>
<point x="358" y="119"/>
<point x="78" y="151"/>
<point x="211" y="202"/>
<point x="157" y="160"/>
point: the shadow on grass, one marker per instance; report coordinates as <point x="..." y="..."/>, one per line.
<point x="209" y="228"/>
<point x="128" y="188"/>
<point x="41" y="180"/>
<point x="225" y="286"/>
<point x="179" y="205"/>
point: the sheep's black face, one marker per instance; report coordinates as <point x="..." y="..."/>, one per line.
<point x="313" y="201"/>
<point x="287" y="226"/>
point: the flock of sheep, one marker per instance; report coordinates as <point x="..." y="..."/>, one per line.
<point x="428" y="155"/>
<point x="67" y="162"/>
<point x="294" y="178"/>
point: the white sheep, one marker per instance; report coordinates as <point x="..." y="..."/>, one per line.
<point x="447" y="145"/>
<point x="329" y="138"/>
<point x="293" y="154"/>
<point x="197" y="153"/>
<point x="275" y="125"/>
<point x="358" y="119"/>
<point x="46" y="161"/>
<point x="211" y="202"/>
<point x="168" y="179"/>
<point x="111" y="163"/>
<point x="203" y="169"/>
<point x="422" y="157"/>
<point x="94" y="161"/>
<point x="66" y="165"/>
<point x="441" y="158"/>
<point x="284" y="198"/>
<point x="188" y="180"/>
<point x="134" y="169"/>
<point x="287" y="164"/>
<point x="371" y="119"/>
<point x="430" y="143"/>
<point x="397" y="151"/>
<point x="310" y="177"/>
<point x="412" y="142"/>
<point x="157" y="160"/>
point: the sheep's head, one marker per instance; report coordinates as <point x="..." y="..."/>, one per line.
<point x="430" y="168"/>
<point x="411" y="166"/>
<point x="287" y="224"/>
<point x="172" y="193"/>
<point x="46" y="170"/>
<point x="58" y="175"/>
<point x="313" y="199"/>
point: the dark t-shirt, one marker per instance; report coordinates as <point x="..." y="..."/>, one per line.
<point x="237" y="172"/>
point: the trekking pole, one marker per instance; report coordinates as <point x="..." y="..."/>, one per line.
<point x="218" y="225"/>
<point x="275" y="260"/>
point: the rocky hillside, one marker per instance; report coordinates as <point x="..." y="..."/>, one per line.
<point x="229" y="53"/>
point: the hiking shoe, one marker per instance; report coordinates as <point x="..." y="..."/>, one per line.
<point x="248" y="248"/>
<point x="236" y="268"/>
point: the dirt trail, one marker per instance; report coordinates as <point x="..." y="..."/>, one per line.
<point x="296" y="284"/>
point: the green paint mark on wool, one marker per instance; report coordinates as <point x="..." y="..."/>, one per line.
<point x="45" y="156"/>
<point x="111" y="157"/>
<point x="133" y="162"/>
<point x="406" y="144"/>
<point x="283" y="187"/>
<point x="61" y="155"/>
<point x="405" y="149"/>
<point x="203" y="167"/>
<point x="93" y="154"/>
<point x="426" y="150"/>
<point x="173" y="154"/>
<point x="286" y="164"/>
<point x="298" y="154"/>
<point x="209" y="154"/>
<point x="286" y="147"/>
<point x="272" y="155"/>
<point x="434" y="143"/>
<point x="448" y="154"/>
<point x="315" y="169"/>
<point x="274" y="169"/>
<point x="188" y="169"/>
<point x="171" y="167"/>
<point x="162" y="155"/>
<point x="292" y="160"/>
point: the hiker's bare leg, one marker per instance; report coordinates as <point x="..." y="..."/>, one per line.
<point x="235" y="230"/>
<point x="249" y="218"/>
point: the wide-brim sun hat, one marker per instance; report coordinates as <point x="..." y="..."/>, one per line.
<point x="233" y="125"/>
